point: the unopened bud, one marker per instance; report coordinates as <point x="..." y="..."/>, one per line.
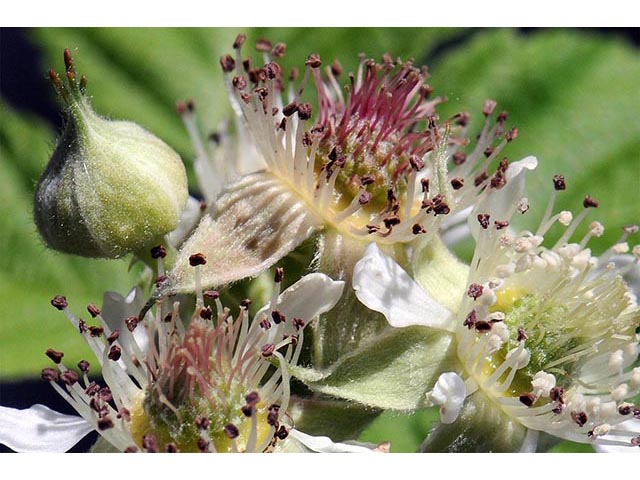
<point x="111" y="187"/>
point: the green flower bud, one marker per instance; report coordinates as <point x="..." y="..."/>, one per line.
<point x="111" y="187"/>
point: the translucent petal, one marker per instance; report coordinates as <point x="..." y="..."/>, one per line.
<point x="39" y="429"/>
<point x="382" y="285"/>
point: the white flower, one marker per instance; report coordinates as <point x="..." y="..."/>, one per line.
<point x="547" y="333"/>
<point x="216" y="383"/>
<point x="376" y="165"/>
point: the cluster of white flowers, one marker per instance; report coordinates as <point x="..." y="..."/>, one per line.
<point x="542" y="331"/>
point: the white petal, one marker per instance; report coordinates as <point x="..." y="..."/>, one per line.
<point x="382" y="285"/>
<point x="116" y="309"/>
<point x="326" y="445"/>
<point x="631" y="428"/>
<point x="39" y="429"/>
<point x="498" y="202"/>
<point x="312" y="295"/>
<point x="449" y="392"/>
<point x="189" y="219"/>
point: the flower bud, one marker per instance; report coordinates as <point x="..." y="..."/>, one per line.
<point x="111" y="187"/>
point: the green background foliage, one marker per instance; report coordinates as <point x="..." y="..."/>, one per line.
<point x="572" y="94"/>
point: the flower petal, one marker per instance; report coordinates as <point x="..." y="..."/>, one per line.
<point x="326" y="445"/>
<point x="40" y="429"/>
<point x="382" y="285"/>
<point x="116" y="309"/>
<point x="312" y="295"/>
<point x="449" y="392"/>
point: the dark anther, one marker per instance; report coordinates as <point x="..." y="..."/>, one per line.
<point x="336" y="68"/>
<point x="366" y="180"/>
<point x="131" y="449"/>
<point x="273" y="71"/>
<point x="158" y="252"/>
<point x="92" y="389"/>
<point x="49" y="374"/>
<point x="150" y="444"/>
<point x="246" y="303"/>
<point x="105" y="423"/>
<point x="502" y="116"/>
<point x="203" y="444"/>
<point x="264" y="45"/>
<point x="424" y="185"/>
<point x="290" y="109"/>
<point x="278" y="317"/>
<point x="54" y="355"/>
<point x="93" y="310"/>
<point x="124" y="414"/>
<point x="69" y="377"/>
<point x="482" y="326"/>
<point x="131" y="323"/>
<point x="636" y="412"/>
<point x="265" y="324"/>
<point x="279" y="275"/>
<point x="457" y="183"/>
<point x="512" y="134"/>
<point x="471" y="320"/>
<point x="580" y="418"/>
<point x="500" y="224"/>
<point x="239" y="82"/>
<point x="557" y="394"/>
<point x="635" y="441"/>
<point x="589" y="202"/>
<point x="459" y="158"/>
<point x="60" y="302"/>
<point x="268" y="349"/>
<point x="282" y="432"/>
<point x="313" y="60"/>
<point x="252" y="398"/>
<point x="82" y="326"/>
<point x="197" y="259"/>
<point x="273" y="416"/>
<point x="522" y="335"/>
<point x="416" y="163"/>
<point x="206" y="313"/>
<point x="558" y="409"/>
<point x="191" y="106"/>
<point x="115" y="352"/>
<point x="489" y="107"/>
<point x="202" y="422"/>
<point x="304" y="111"/>
<point x="625" y="409"/>
<point x="113" y="337"/>
<point x="559" y="182"/>
<point x="480" y="179"/>
<point x="462" y="119"/>
<point x="279" y="50"/>
<point x="96" y="331"/>
<point x="239" y="41"/>
<point x="483" y="220"/>
<point x="227" y="63"/>
<point x="488" y="151"/>
<point x="298" y="323"/>
<point x="171" y="448"/>
<point x="527" y="399"/>
<point x="498" y="180"/>
<point x="231" y="431"/>
<point x="364" y="198"/>
<point x="247" y="410"/>
<point x="211" y="294"/>
<point x="391" y="221"/>
<point x="417" y="229"/>
<point x="475" y="291"/>
<point x="84" y="366"/>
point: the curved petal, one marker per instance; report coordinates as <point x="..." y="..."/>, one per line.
<point x="312" y="295"/>
<point x="326" y="445"/>
<point x="39" y="429"/>
<point x="449" y="392"/>
<point x="382" y="285"/>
